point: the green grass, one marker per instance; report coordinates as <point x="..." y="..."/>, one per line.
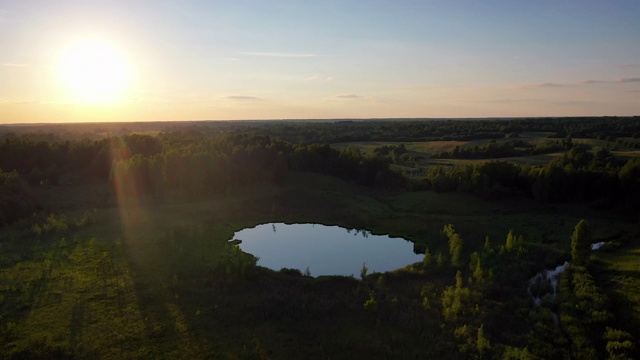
<point x="523" y="160"/>
<point x="626" y="155"/>
<point x="149" y="281"/>
<point x="425" y="151"/>
<point x="592" y="142"/>
<point x="620" y="273"/>
<point x="426" y="148"/>
<point x="536" y="134"/>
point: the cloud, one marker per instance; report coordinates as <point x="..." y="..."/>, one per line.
<point x="540" y="85"/>
<point x="282" y="55"/>
<point x="579" y="83"/>
<point x="318" y="78"/>
<point x="510" y="101"/>
<point x="574" y="103"/>
<point x="20" y="102"/>
<point x="242" y="97"/>
<point x="629" y="66"/>
<point x="416" y="86"/>
<point x="14" y="64"/>
<point x="349" y="96"/>
<point x="629" y="80"/>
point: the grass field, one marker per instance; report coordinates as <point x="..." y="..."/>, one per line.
<point x="620" y="275"/>
<point x="426" y="148"/>
<point x="626" y="155"/>
<point x="143" y="279"/>
<point x="425" y="152"/>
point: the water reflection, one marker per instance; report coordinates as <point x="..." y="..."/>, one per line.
<point x="325" y="250"/>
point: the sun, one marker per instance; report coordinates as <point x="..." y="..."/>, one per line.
<point x="94" y="71"/>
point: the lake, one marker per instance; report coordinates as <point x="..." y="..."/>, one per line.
<point x="325" y="250"/>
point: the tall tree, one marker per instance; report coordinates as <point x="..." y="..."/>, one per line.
<point x="455" y="244"/>
<point x="581" y="243"/>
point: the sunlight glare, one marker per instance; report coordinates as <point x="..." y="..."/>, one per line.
<point x="94" y="71"/>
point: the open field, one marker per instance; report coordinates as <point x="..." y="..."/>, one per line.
<point x="425" y="154"/>
<point x="626" y="155"/>
<point x="119" y="248"/>
<point x="522" y="160"/>
<point x="141" y="281"/>
<point x="621" y="274"/>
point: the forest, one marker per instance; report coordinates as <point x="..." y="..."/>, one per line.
<point x="114" y="239"/>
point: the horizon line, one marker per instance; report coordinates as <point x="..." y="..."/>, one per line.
<point x="319" y="119"/>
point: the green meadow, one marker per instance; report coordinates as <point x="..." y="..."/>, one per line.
<point x="425" y="154"/>
<point x="143" y="281"/>
<point x="135" y="267"/>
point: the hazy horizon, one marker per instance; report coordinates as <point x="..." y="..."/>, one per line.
<point x="318" y="120"/>
<point x="132" y="61"/>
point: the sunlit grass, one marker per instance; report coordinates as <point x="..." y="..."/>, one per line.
<point x="77" y="294"/>
<point x="623" y="268"/>
<point x="425" y="152"/>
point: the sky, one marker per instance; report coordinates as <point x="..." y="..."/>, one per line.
<point x="71" y="61"/>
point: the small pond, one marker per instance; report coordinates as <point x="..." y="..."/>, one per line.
<point x="325" y="250"/>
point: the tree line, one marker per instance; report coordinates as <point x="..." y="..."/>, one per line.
<point x="198" y="160"/>
<point x="405" y="130"/>
<point x="577" y="176"/>
<point x="173" y="166"/>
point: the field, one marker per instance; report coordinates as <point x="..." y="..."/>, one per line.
<point x="425" y="154"/>
<point x="104" y="270"/>
<point x="621" y="274"/>
<point x="137" y="281"/>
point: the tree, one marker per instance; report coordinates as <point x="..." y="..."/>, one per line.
<point x="455" y="244"/>
<point x="457" y="300"/>
<point x="363" y="271"/>
<point x="478" y="272"/>
<point x="426" y="290"/>
<point x="482" y="342"/>
<point x="371" y="305"/>
<point x="511" y="241"/>
<point x="452" y="304"/>
<point x="427" y="257"/>
<point x="619" y="343"/>
<point x="487" y="249"/>
<point x="629" y="174"/>
<point x="513" y="244"/>
<point x="567" y="142"/>
<point x="440" y="259"/>
<point x="581" y="243"/>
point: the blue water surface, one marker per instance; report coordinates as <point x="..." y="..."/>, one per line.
<point x="325" y="250"/>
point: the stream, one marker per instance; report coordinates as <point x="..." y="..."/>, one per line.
<point x="545" y="283"/>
